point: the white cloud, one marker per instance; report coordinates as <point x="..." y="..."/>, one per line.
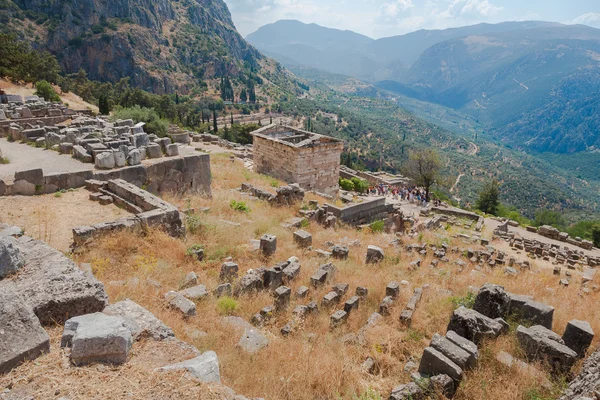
<point x="395" y="8"/>
<point x="591" y="19"/>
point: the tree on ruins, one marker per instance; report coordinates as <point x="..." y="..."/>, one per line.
<point x="488" y="201"/>
<point x="424" y="168"/>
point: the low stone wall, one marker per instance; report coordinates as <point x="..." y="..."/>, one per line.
<point x="154" y="212"/>
<point x="44" y="121"/>
<point x="174" y="175"/>
<point x="361" y="213"/>
<point x="458" y="213"/>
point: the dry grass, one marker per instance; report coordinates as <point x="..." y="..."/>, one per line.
<point x="315" y="362"/>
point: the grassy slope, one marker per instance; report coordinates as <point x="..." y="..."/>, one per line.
<point x="325" y="366"/>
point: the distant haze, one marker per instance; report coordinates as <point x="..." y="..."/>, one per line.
<point x="383" y="18"/>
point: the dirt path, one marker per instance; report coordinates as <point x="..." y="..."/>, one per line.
<point x="456" y="183"/>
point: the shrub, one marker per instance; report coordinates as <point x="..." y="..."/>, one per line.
<point x="360" y="185"/>
<point x="239" y="206"/>
<point x="369" y="394"/>
<point x="467" y="301"/>
<point x="191" y="251"/>
<point x="4" y="160"/>
<point x="227" y="305"/>
<point x="346" y="184"/>
<point x="193" y="223"/>
<point x="44" y="89"/>
<point x="154" y="124"/>
<point x="377" y="226"/>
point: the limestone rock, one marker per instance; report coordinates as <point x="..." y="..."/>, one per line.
<point x="11" y="259"/>
<point x="473" y="325"/>
<point x="105" y="160"/>
<point x="409" y="391"/>
<point x="98" y="338"/>
<point x="141" y="322"/>
<point x="204" y="368"/>
<point x="178" y="302"/>
<point x="434" y="363"/>
<point x="53" y="286"/>
<point x="195" y="292"/>
<point x="374" y="255"/>
<point x="538" y="346"/>
<point x="492" y="301"/>
<point x="21" y="335"/>
<point x="455" y="353"/>
<point x="578" y="336"/>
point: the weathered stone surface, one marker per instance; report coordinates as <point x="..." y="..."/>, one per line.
<point x="455" y="353"/>
<point x="473" y="325"/>
<point x="444" y="385"/>
<point x="252" y="340"/>
<point x="229" y="271"/>
<point x="153" y="150"/>
<point x="135" y="157"/>
<point x="178" y="302"/>
<point x="53" y="286"/>
<point x="191" y="279"/>
<point x="291" y="271"/>
<point x="435" y="363"/>
<point x="492" y="301"/>
<point x="251" y="282"/>
<point x="538" y="346"/>
<point x="141" y="322"/>
<point x="302" y="292"/>
<point x="392" y="289"/>
<point x="587" y="382"/>
<point x="464" y="344"/>
<point x="268" y="245"/>
<point x="172" y="150"/>
<point x="21" y="335"/>
<point x="204" y="368"/>
<point x="538" y="313"/>
<point x="330" y="299"/>
<point x="517" y="301"/>
<point x="409" y="391"/>
<point x="223" y="289"/>
<point x="195" y="293"/>
<point x="11" y="259"/>
<point x="97" y="338"/>
<point x="105" y="160"/>
<point x="351" y="304"/>
<point x="338" y="318"/>
<point x="578" y="336"/>
<point x="303" y="239"/>
<point x="374" y="255"/>
<point x="340" y="252"/>
<point x="283" y="295"/>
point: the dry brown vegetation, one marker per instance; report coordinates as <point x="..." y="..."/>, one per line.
<point x="315" y="362"/>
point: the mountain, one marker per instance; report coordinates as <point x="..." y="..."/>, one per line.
<point x="294" y="43"/>
<point x="161" y="45"/>
<point x="536" y="89"/>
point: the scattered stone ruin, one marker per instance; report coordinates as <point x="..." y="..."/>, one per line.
<point x="374" y="178"/>
<point x="297" y="156"/>
<point x="31" y="110"/>
<point x="148" y="210"/>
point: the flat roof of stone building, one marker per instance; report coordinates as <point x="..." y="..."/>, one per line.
<point x="293" y="137"/>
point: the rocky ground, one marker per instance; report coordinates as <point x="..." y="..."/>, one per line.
<point x="312" y="360"/>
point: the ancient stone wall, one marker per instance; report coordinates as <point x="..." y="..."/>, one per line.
<point x="312" y="161"/>
<point x="361" y="213"/>
<point x="173" y="175"/>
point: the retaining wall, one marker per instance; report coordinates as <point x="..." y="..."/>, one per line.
<point x="173" y="175"/>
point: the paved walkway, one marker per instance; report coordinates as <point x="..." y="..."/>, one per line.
<point x="23" y="157"/>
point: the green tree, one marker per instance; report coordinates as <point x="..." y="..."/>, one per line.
<point x="215" y="127"/>
<point x="103" y="106"/>
<point x="243" y="95"/>
<point x="596" y="235"/>
<point x="488" y="201"/>
<point x="550" y="217"/>
<point x="44" y="89"/>
<point x="424" y="168"/>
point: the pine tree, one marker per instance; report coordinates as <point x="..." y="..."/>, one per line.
<point x="215" y="127"/>
<point x="271" y="120"/>
<point x="231" y="118"/>
<point x="488" y="198"/>
<point x="103" y="104"/>
<point x="243" y="95"/>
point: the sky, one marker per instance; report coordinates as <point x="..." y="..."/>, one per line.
<point x="382" y="18"/>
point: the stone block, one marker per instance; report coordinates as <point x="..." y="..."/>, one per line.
<point x="153" y="151"/>
<point x="374" y="255"/>
<point x="444" y="385"/>
<point x="179" y="303"/>
<point x="53" y="286"/>
<point x="338" y="318"/>
<point x="195" y="293"/>
<point x="539" y="346"/>
<point x="302" y="292"/>
<point x="105" y="160"/>
<point x="223" y="289"/>
<point x="141" y="322"/>
<point x="578" y="336"/>
<point x="172" y="150"/>
<point x="268" y="245"/>
<point x="362" y="292"/>
<point x="282" y="298"/>
<point x="386" y="305"/>
<point x="291" y="272"/>
<point x="340" y="252"/>
<point x="392" y="289"/>
<point x="330" y="299"/>
<point x="34" y="176"/>
<point x="204" y="368"/>
<point x="191" y="279"/>
<point x="538" y="313"/>
<point x="458" y="355"/>
<point x="435" y="363"/>
<point x="229" y="271"/>
<point x="97" y="338"/>
<point x="351" y="304"/>
<point x="492" y="301"/>
<point x="134" y="158"/>
<point x="22" y="337"/>
<point x="11" y="259"/>
<point x="473" y="325"/>
<point x="341" y="288"/>
<point x="409" y="391"/>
